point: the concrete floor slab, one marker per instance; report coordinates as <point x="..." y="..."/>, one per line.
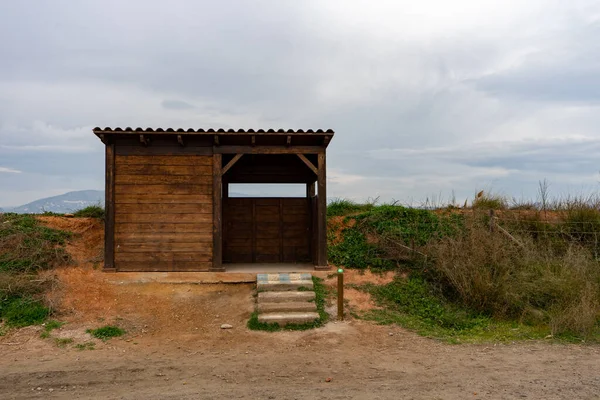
<point x="263" y="268"/>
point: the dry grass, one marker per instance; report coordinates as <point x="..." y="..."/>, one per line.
<point x="489" y="273"/>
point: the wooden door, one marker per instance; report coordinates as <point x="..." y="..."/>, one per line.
<point x="266" y="230"/>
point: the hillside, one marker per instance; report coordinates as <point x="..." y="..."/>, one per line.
<point x="64" y="203"/>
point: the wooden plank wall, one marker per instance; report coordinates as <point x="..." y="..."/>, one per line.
<point x="266" y="230"/>
<point x="163" y="212"/>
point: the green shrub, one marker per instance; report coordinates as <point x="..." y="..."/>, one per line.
<point x="19" y="312"/>
<point x="91" y="212"/>
<point x="106" y="332"/>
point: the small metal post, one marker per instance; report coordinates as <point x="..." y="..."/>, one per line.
<point x="340" y="294"/>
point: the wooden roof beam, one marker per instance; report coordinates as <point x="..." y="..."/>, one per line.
<point x="308" y="163"/>
<point x="231" y="163"/>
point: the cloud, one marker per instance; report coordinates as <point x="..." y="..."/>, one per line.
<point x="176" y="105"/>
<point x="9" y="170"/>
<point x="424" y="96"/>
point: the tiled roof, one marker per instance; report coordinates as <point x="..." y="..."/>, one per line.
<point x="217" y="131"/>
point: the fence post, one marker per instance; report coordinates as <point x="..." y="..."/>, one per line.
<point x="340" y="294"/>
<point x="492" y="221"/>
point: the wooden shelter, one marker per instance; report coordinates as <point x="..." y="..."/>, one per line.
<point x="168" y="206"/>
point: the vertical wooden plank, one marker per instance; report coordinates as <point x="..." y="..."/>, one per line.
<point x="280" y="230"/>
<point x="225" y="190"/>
<point x="321" y="214"/>
<point x="217" y="214"/>
<point x="109" y="207"/>
<point x="253" y="241"/>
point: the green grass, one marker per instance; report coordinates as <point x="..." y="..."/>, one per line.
<point x="413" y="304"/>
<point x="320" y="301"/>
<point x="340" y="207"/>
<point x="63" y="342"/>
<point x="393" y="230"/>
<point x="18" y="312"/>
<point x="91" y="212"/>
<point x="49" y="327"/>
<point x="106" y="332"/>
<point x="85" y="346"/>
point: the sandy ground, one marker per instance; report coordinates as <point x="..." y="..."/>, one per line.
<point x="363" y="361"/>
<point x="175" y="349"/>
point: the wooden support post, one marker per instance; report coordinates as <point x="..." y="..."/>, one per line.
<point x="109" y="206"/>
<point x="340" y="294"/>
<point x="321" y="214"/>
<point x="217" y="213"/>
<point x="310" y="190"/>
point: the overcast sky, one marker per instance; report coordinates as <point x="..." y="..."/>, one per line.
<point x="426" y="97"/>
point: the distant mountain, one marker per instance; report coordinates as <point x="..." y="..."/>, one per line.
<point x="64" y="203"/>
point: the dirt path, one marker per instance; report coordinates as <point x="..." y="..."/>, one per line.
<point x="362" y="360"/>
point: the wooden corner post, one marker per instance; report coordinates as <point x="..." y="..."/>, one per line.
<point x="109" y="208"/>
<point x="217" y="213"/>
<point x="321" y="213"/>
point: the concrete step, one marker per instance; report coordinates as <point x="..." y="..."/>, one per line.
<point x="287" y="307"/>
<point x="284" y="286"/>
<point x="285" y="297"/>
<point x="284" y="318"/>
<point x="284" y="281"/>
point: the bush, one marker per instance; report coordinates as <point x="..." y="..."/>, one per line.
<point x="90" y="212"/>
<point x="26" y="246"/>
<point x="490" y="274"/>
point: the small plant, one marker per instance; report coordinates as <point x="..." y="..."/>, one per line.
<point x="63" y="342"/>
<point x="90" y="212"/>
<point x="85" y="346"/>
<point x="49" y="327"/>
<point x="106" y="332"/>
